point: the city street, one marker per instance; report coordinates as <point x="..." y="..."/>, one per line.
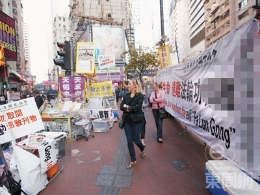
<point x="97" y="166"/>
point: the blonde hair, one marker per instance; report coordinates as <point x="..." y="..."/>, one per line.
<point x="137" y="84"/>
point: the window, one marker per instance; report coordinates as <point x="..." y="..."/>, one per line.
<point x="243" y="15"/>
<point x="242" y="4"/>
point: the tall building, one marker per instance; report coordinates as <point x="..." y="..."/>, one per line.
<point x="222" y="16"/>
<point x="107" y="12"/>
<point x="60" y="31"/>
<point x="18" y="16"/>
<point x="16" y="68"/>
<point x="60" y="8"/>
<point x="219" y="18"/>
<point x="27" y="71"/>
<point x="197" y="27"/>
<point x="180" y="34"/>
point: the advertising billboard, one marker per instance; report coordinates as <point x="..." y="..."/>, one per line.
<point x="109" y="40"/>
<point x="8" y="36"/>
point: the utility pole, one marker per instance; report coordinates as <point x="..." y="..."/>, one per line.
<point x="162" y="17"/>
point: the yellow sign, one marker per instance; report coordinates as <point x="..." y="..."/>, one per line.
<point x="165" y="56"/>
<point x="85" y="58"/>
<point x="100" y="89"/>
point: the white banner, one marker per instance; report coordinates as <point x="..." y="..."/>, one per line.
<point x="216" y="95"/>
<point x="18" y="119"/>
<point x="106" y="61"/>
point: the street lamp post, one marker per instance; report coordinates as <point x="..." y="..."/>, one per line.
<point x="162" y="17"/>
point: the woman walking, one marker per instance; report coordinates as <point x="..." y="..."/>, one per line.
<point x="144" y="122"/>
<point x="133" y="116"/>
<point x="157" y="99"/>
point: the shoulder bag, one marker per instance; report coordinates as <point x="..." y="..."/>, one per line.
<point x="162" y="112"/>
<point x="121" y="124"/>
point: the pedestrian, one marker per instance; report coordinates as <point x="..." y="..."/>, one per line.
<point x="125" y="89"/>
<point x="157" y="99"/>
<point x="38" y="99"/>
<point x="133" y="116"/>
<point x="3" y="98"/>
<point x="144" y="122"/>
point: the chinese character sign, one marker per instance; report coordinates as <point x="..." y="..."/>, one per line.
<point x="100" y="89"/>
<point x="72" y="88"/>
<point x="18" y="119"/>
<point x="106" y="61"/>
<point x="85" y="57"/>
<point x="164" y="56"/>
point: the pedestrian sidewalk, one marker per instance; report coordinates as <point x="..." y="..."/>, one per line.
<point x="97" y="166"/>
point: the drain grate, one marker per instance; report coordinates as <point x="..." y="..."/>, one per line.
<point x="180" y="165"/>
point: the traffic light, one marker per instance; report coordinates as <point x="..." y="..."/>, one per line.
<point x="64" y="53"/>
<point x="4" y="85"/>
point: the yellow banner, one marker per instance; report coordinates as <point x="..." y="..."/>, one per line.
<point x="100" y="89"/>
<point x="85" y="57"/>
<point x="165" y="56"/>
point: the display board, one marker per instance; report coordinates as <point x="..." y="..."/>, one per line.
<point x="18" y="119"/>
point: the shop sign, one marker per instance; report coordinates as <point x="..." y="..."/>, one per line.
<point x="18" y="119"/>
<point x="8" y="36"/>
<point x="112" y="69"/>
<point x="13" y="96"/>
<point x="49" y="83"/>
<point x="12" y="85"/>
<point x="3" y="71"/>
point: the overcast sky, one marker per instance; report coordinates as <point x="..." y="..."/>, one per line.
<point x="37" y="13"/>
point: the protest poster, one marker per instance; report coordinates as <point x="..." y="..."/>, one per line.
<point x="18" y="119"/>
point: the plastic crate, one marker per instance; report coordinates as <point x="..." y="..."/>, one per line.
<point x="100" y="125"/>
<point x="223" y="177"/>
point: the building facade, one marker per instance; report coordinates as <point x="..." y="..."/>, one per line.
<point x="243" y="11"/>
<point x="197" y="27"/>
<point x="61" y="31"/>
<point x="16" y="68"/>
<point x="180" y="33"/>
<point x="103" y="12"/>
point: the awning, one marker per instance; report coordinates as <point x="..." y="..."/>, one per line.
<point x="14" y="73"/>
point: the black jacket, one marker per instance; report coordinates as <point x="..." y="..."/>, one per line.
<point x="136" y="114"/>
<point x="39" y="101"/>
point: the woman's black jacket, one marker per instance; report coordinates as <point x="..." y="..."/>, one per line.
<point x="136" y="114"/>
